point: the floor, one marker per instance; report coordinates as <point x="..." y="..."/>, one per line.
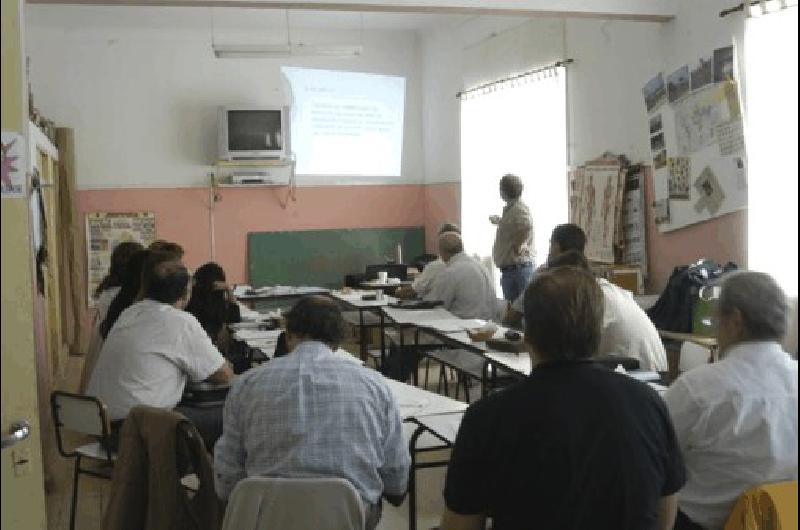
<point x="94" y="492"/>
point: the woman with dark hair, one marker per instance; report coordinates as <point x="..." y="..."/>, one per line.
<point x="109" y="286"/>
<point x="128" y="293"/>
<point x="213" y="304"/>
<point x="103" y="296"/>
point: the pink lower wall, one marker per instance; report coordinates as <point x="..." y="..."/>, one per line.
<point x="183" y="215"/>
<point x="442" y="205"/>
<point x="722" y="239"/>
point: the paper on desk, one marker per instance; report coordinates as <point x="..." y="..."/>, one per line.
<point x="241" y="290"/>
<point x="454" y="325"/>
<point x="250" y="334"/>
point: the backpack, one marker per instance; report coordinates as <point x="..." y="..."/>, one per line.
<point x="674" y="309"/>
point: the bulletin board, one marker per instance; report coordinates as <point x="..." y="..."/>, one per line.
<point x="104" y="231"/>
<point x="697" y="141"/>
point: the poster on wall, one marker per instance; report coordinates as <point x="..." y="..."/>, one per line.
<point x="12" y="165"/>
<point x="633" y="221"/>
<point x="104" y="231"/>
<point x="654" y="92"/>
<point x="679" y="177"/>
<point x="599" y="210"/>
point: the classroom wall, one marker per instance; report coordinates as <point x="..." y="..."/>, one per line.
<point x="142" y="95"/>
<point x="613" y="60"/>
<point x="243" y="210"/>
<point x="165" y="74"/>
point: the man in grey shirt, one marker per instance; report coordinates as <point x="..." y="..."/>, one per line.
<point x="314" y="414"/>
<point x="513" y="251"/>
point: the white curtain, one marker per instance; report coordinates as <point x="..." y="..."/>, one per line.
<point x="520" y="127"/>
<point x="771" y="137"/>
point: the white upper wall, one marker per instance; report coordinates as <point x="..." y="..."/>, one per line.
<point x="142" y="96"/>
<point x="613" y="60"/>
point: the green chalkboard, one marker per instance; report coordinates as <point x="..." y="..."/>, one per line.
<point x="322" y="257"/>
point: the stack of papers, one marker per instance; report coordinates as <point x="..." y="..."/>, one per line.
<point x="254" y="334"/>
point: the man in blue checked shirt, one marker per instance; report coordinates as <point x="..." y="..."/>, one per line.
<point x="314" y="414"/>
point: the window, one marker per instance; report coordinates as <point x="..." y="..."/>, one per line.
<point x="771" y="134"/>
<point x="519" y="127"/>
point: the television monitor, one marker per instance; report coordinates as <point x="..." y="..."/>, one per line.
<point x="252" y="133"/>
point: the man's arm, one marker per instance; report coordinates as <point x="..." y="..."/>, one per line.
<point x="223" y="375"/>
<point x="667" y="510"/>
<point x="456" y="521"/>
<point x="396" y="458"/>
<point x="229" y="454"/>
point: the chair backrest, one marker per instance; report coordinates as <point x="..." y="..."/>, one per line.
<point x="766" y="507"/>
<point x="394" y="271"/>
<point x="612" y="361"/>
<point x="80" y="414"/>
<point x="261" y="503"/>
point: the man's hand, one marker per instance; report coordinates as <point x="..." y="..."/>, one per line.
<point x="405" y="292"/>
<point x="494" y="219"/>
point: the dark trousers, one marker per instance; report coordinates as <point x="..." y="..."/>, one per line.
<point x="682" y="522"/>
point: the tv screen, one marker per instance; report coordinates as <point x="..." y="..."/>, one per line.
<point x="254" y="130"/>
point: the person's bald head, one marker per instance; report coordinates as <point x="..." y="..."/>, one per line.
<point x="450" y="244"/>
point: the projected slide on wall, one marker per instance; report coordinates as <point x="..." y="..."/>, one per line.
<point x="346" y="123"/>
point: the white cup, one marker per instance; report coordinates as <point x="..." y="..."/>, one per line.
<point x="379" y="295"/>
<point x="382" y="276"/>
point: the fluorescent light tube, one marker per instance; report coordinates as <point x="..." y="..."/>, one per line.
<point x="328" y="50"/>
<point x="250" y="51"/>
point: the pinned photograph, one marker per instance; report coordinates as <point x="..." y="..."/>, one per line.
<point x="661" y="211"/>
<point x="655" y="124"/>
<point x="657" y="142"/>
<point x="678" y="178"/>
<point x="654" y="93"/>
<point x="710" y="192"/>
<point x="678" y="84"/>
<point x="723" y="64"/>
<point x="660" y="160"/>
<point x="703" y="74"/>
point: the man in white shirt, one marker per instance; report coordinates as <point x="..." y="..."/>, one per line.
<point x="736" y="419"/>
<point x="155" y="346"/>
<point x="627" y="330"/>
<point x="423" y="284"/>
<point x="464" y="285"/>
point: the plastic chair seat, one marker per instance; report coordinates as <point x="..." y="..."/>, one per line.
<point x="95" y="451"/>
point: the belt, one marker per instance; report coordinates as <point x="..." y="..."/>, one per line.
<point x="516" y="266"/>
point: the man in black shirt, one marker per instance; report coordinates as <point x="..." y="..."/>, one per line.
<point x="575" y="446"/>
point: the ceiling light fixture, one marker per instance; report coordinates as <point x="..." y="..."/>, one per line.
<point x="253" y="51"/>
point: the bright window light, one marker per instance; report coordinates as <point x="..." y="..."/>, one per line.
<point x="771" y="133"/>
<point x="518" y="129"/>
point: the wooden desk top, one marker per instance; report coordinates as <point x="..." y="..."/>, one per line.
<point x="701" y="340"/>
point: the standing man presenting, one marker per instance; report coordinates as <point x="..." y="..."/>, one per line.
<point x="513" y="251"/>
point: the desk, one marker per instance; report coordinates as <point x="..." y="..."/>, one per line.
<point x="700" y="340"/>
<point x="385" y="286"/>
<point x="432" y="413"/>
<point x="354" y="299"/>
<point x="410" y="318"/>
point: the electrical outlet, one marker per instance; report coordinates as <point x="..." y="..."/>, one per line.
<point x="21" y="459"/>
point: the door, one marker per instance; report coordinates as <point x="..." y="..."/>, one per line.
<point x="22" y="496"/>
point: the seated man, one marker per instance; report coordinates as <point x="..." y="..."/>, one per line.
<point x="314" y="414"/>
<point x="627" y="330"/>
<point x="575" y="445"/>
<point x="564" y="238"/>
<point x="736" y="419"/>
<point x="423" y="284"/>
<point x="464" y="285"/>
<point x="155" y="346"/>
